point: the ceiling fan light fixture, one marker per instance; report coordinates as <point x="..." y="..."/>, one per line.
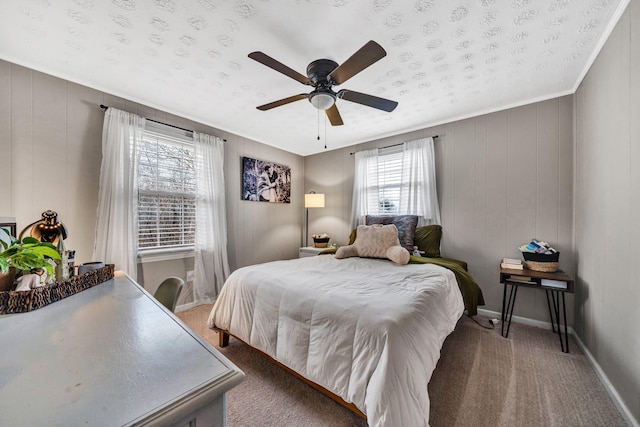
<point x="322" y="101"/>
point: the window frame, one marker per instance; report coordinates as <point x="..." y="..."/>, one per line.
<point x="168" y="135"/>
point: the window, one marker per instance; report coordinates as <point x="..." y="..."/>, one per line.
<point x="166" y="189"/>
<point x="386" y="192"/>
<point x="396" y="180"/>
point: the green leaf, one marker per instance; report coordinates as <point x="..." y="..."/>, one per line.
<point x="30" y="239"/>
<point x="44" y="250"/>
<point x="4" y="265"/>
<point x="11" y="251"/>
<point x="50" y="245"/>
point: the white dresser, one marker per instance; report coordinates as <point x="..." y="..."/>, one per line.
<point x="109" y="356"/>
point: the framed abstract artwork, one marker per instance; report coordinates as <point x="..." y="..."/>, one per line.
<point x="265" y="181"/>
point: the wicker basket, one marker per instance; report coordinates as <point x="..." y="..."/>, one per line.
<point x="24" y="301"/>
<point x="547" y="263"/>
<point x="321" y="243"/>
<point x="546" y="267"/>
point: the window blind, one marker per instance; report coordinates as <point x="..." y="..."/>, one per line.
<point x="385" y="195"/>
<point x="166" y="190"/>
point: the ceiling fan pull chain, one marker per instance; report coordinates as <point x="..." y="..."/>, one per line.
<point x="318" y="125"/>
<point x="325" y="131"/>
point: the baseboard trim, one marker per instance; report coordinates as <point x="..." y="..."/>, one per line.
<point x="613" y="393"/>
<point x="187" y="306"/>
<point x="522" y="320"/>
<point x="604" y="379"/>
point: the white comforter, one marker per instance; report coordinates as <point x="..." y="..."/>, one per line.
<point x="368" y="330"/>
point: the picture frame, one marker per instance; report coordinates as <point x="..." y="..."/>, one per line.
<point x="10" y="227"/>
<point x="265" y="181"/>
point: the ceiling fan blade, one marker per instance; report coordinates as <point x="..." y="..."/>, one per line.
<point x="284" y="101"/>
<point x="279" y="67"/>
<point x="334" y="116"/>
<point x="368" y="100"/>
<point x="367" y="55"/>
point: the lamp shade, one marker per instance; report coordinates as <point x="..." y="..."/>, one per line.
<point x="314" y="200"/>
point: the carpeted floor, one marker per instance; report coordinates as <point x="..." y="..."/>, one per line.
<point x="482" y="379"/>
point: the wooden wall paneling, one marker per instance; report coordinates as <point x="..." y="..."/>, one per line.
<point x="620" y="148"/>
<point x="232" y="195"/>
<point x="23" y="181"/>
<point x="446" y="191"/>
<point x="325" y="179"/>
<point x="481" y="257"/>
<point x="606" y="202"/>
<point x="84" y="156"/>
<point x="546" y="208"/>
<point x="522" y="188"/>
<point x="6" y="146"/>
<point x="464" y="189"/>
<point x="246" y="228"/>
<point x="597" y="174"/>
<point x="347" y="197"/>
<point x="584" y="184"/>
<point x="591" y="189"/>
<point x="565" y="181"/>
<point x="496" y="247"/>
<point x="629" y="287"/>
<point x="565" y="192"/>
<point x="49" y="163"/>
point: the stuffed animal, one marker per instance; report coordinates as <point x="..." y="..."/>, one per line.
<point x="376" y="241"/>
<point x="28" y="282"/>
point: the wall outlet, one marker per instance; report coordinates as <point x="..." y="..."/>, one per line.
<point x="190" y="275"/>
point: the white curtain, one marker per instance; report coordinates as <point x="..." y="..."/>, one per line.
<point x="418" y="193"/>
<point x="211" y="261"/>
<point x="365" y="185"/>
<point x="116" y="229"/>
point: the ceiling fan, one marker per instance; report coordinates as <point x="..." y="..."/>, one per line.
<point x="323" y="74"/>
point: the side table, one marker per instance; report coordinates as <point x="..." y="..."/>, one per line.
<point x="555" y="286"/>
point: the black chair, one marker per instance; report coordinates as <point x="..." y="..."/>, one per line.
<point x="169" y="291"/>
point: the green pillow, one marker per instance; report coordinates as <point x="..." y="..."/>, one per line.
<point x="352" y="236"/>
<point x="427" y="239"/>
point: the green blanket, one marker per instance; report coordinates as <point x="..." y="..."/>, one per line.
<point x="471" y="292"/>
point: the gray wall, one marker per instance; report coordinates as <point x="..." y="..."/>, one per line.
<point x="50" y="151"/>
<point x="607" y="205"/>
<point x="503" y="178"/>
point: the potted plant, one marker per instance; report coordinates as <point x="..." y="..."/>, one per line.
<point x="19" y="256"/>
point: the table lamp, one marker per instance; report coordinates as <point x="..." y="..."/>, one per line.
<point x="47" y="228"/>
<point x="311" y="200"/>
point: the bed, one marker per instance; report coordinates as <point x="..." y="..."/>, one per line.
<point x="366" y="331"/>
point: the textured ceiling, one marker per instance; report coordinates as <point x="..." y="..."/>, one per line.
<point x="445" y="59"/>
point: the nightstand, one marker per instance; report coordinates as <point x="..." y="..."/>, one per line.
<point x="309" y="251"/>
<point x="554" y="284"/>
